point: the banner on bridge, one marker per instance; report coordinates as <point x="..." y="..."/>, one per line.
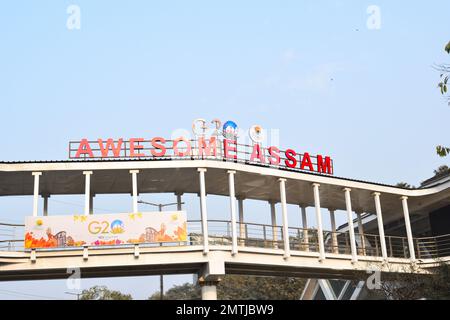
<point x="105" y="229"/>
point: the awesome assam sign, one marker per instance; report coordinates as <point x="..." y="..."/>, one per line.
<point x="105" y="229"/>
<point x="201" y="148"/>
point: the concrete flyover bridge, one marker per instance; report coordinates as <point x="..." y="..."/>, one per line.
<point x="387" y="228"/>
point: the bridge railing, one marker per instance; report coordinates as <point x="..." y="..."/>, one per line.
<point x="268" y="236"/>
<point x="10" y="237"/>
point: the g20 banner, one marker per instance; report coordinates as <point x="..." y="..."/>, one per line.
<point x="105" y="229"/>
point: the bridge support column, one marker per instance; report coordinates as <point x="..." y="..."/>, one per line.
<point x="36" y="193"/>
<point x="305" y="228"/>
<point x="209" y="290"/>
<point x="287" y="248"/>
<point x="351" y="228"/>
<point x="242" y="233"/>
<point x="376" y="196"/>
<point x="319" y="221"/>
<point x="134" y="174"/>
<point x="273" y="217"/>
<point x="234" y="246"/>
<point x="334" y="241"/>
<point x="203" y="210"/>
<point x="46" y="197"/>
<point x="412" y="254"/>
<point x="210" y="276"/>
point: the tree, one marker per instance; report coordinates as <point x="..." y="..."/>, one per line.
<point x="444" y="69"/>
<point x="412" y="286"/>
<point x="234" y="287"/>
<point x="404" y="185"/>
<point x="186" y="291"/>
<point x="442" y="170"/>
<point x="103" y="293"/>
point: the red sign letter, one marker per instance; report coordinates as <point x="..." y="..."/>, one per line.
<point x="134" y="147"/>
<point x="84" y="148"/>
<point x="291" y="161"/>
<point x="179" y="153"/>
<point x="324" y="167"/>
<point x="110" y="145"/>
<point x="210" y="149"/>
<point x="274" y="158"/>
<point x="306" y="162"/>
<point x="257" y="154"/>
<point x="160" y="146"/>
<point x="227" y="148"/>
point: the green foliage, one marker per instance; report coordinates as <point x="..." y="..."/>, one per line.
<point x="234" y="287"/>
<point x="442" y="151"/>
<point x="414" y="286"/>
<point x="438" y="286"/>
<point x="443" y="87"/>
<point x="442" y="170"/>
<point x="404" y="185"/>
<point x="103" y="293"/>
<point x="185" y="291"/>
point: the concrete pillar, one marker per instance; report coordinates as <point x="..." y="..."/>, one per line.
<point x="334" y="241"/>
<point x="234" y="246"/>
<point x="362" y="239"/>
<point x="91" y="204"/>
<point x="273" y="217"/>
<point x="203" y="210"/>
<point x="305" y="227"/>
<point x="242" y="234"/>
<point x="179" y="202"/>
<point x="134" y="174"/>
<point x="412" y="253"/>
<point x="36" y="193"/>
<point x="209" y="290"/>
<point x="376" y="196"/>
<point x="319" y="221"/>
<point x="351" y="228"/>
<point x="46" y="196"/>
<point x="287" y="248"/>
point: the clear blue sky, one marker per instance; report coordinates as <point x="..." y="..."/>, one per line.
<point x="311" y="69"/>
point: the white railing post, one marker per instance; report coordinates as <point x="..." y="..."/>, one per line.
<point x="234" y="244"/>
<point x="203" y="210"/>
<point x="134" y="174"/>
<point x="319" y="221"/>
<point x="376" y="196"/>
<point x="412" y="253"/>
<point x="351" y="228"/>
<point x="36" y="193"/>
<point x="287" y="249"/>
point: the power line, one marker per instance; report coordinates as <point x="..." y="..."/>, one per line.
<point x="28" y="294"/>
